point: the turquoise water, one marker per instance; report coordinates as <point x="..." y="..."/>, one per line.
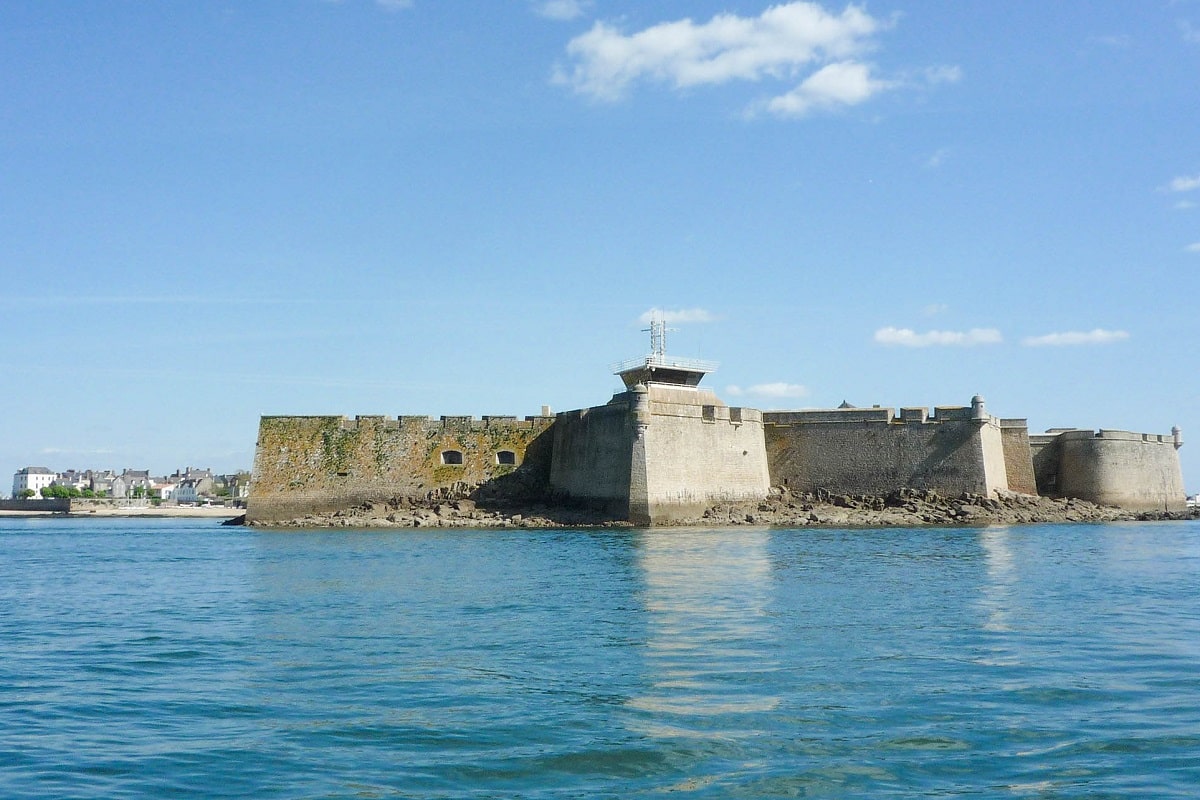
<point x="179" y="659"/>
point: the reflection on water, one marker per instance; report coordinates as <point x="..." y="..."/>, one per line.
<point x="707" y="632"/>
<point x="1001" y="575"/>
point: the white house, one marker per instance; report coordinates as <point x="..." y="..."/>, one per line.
<point x="187" y="491"/>
<point x="35" y="478"/>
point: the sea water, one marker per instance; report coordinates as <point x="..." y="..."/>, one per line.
<point x="180" y="659"/>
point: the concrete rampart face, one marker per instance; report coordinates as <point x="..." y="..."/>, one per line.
<point x="698" y="452"/>
<point x="592" y="455"/>
<point x="306" y="465"/>
<point x="873" y="452"/>
<point x="1134" y="471"/>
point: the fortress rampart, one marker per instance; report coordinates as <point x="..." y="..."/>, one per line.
<point x="1137" y="471"/>
<point x="874" y="451"/>
<point x="318" y="464"/>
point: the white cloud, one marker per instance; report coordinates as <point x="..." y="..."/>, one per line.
<point x="1184" y="183"/>
<point x="908" y="338"/>
<point x="1184" y="205"/>
<point x="845" y="83"/>
<point x="933" y="309"/>
<point x="1194" y="247"/>
<point x="678" y="316"/>
<point x="774" y="390"/>
<point x="1190" y="32"/>
<point x="1070" y="338"/>
<point x="778" y="43"/>
<point x="563" y="10"/>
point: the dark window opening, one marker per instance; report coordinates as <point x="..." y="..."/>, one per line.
<point x="451" y="457"/>
<point x="506" y="457"/>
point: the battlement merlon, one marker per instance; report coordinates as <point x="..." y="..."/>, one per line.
<point x="421" y="421"/>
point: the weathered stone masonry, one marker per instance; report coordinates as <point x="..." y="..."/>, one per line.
<point x="306" y="465"/>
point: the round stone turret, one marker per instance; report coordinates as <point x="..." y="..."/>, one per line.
<point x="641" y="406"/>
<point x="1177" y="437"/>
<point x="977" y="411"/>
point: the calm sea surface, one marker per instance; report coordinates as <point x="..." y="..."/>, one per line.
<point x="179" y="659"/>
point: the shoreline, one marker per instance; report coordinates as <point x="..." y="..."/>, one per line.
<point x="200" y="512"/>
<point x="903" y="509"/>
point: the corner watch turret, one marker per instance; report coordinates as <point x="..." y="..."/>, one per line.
<point x="658" y="367"/>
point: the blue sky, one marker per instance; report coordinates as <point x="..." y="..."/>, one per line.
<point x="214" y="211"/>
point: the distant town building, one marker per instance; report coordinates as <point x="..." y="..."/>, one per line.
<point x="32" y="478"/>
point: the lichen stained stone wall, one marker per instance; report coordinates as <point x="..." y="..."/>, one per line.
<point x="317" y="464"/>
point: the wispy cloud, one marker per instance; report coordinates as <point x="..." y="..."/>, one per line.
<point x="905" y="337"/>
<point x="774" y="390"/>
<point x="780" y="44"/>
<point x="1184" y="183"/>
<point x="1184" y="205"/>
<point x="681" y="315"/>
<point x="1073" y="338"/>
<point x="935" y="160"/>
<point x="563" y="10"/>
<point x="394" y="5"/>
<point x="1190" y="32"/>
<point x="933" y="309"/>
<point x="1194" y="247"/>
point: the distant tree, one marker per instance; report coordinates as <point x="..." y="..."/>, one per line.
<point x="26" y="494"/>
<point x="87" y="493"/>
<point x="139" y="492"/>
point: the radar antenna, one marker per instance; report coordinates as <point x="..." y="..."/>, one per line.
<point x="658" y="333"/>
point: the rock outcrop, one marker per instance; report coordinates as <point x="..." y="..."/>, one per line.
<point x="904" y="508"/>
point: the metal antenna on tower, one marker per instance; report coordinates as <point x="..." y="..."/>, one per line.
<point x="658" y="333"/>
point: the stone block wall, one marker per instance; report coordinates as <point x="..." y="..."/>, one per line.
<point x="698" y="452"/>
<point x="591" y="457"/>
<point x="316" y="464"/>
<point x="1134" y="471"/>
<point x="1018" y="457"/>
<point x="874" y="451"/>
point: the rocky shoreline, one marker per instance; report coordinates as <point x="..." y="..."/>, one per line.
<point x="905" y="508"/>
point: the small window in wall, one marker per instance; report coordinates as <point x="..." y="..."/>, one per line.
<point x="506" y="457"/>
<point x="708" y="413"/>
<point x="451" y="457"/>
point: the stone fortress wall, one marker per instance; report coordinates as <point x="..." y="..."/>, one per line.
<point x="659" y="454"/>
<point x="692" y="451"/>
<point x="1137" y="471"/>
<point x="874" y="451"/>
<point x="319" y="464"/>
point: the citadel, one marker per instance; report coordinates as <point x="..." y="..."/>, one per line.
<point x="665" y="449"/>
